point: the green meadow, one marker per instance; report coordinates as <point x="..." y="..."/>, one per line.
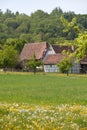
<point x="43" y="89"/>
<point x="43" y="101"/>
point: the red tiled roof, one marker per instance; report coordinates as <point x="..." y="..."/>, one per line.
<point x="59" y="48"/>
<point x="33" y="48"/>
<point x="54" y="58"/>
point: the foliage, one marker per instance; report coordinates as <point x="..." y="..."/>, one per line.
<point x="8" y="57"/>
<point x="71" y="29"/>
<point x="81" y="46"/>
<point x="41" y="26"/>
<point x="69" y="15"/>
<point x="82" y="19"/>
<point x="33" y="63"/>
<point x="65" y="65"/>
<point x="16" y="43"/>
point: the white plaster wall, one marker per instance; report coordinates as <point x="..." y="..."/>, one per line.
<point x="54" y="68"/>
<point x="51" y="68"/>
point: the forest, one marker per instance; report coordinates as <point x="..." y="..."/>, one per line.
<point x="57" y="27"/>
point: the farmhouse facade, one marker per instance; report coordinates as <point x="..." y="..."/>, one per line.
<point x="54" y="57"/>
<point x="51" y="55"/>
<point x="51" y="61"/>
<point x="31" y="49"/>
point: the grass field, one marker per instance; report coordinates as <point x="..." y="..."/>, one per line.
<point x="43" y="89"/>
<point x="43" y="102"/>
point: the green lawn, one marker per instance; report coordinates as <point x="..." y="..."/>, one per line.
<point x="43" y="89"/>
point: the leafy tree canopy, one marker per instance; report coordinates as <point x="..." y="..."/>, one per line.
<point x="8" y="57"/>
<point x="41" y="26"/>
<point x="81" y="46"/>
<point x="65" y="65"/>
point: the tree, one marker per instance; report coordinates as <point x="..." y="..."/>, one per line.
<point x="81" y="46"/>
<point x="8" y="57"/>
<point x="57" y="12"/>
<point x="71" y="29"/>
<point x="65" y="65"/>
<point x="33" y="64"/>
<point x="10" y="22"/>
<point x="27" y="37"/>
<point x="82" y="19"/>
<point x="69" y="15"/>
<point x="16" y="43"/>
